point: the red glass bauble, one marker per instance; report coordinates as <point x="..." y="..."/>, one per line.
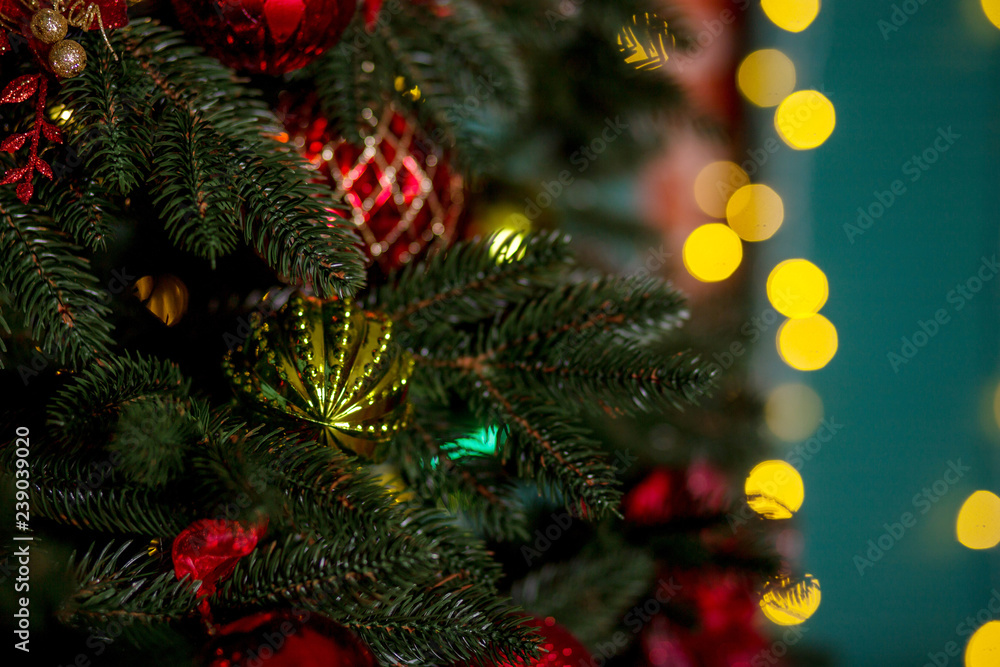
<point x="286" y="638"/>
<point x="265" y="36"/>
<point x="403" y="194"/>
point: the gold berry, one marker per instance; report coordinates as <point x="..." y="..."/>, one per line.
<point x="67" y="59"/>
<point x="48" y="25"/>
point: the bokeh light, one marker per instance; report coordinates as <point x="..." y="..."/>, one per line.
<point x="712" y="252"/>
<point x="992" y="10"/>
<point x="996" y="406"/>
<point x="766" y="77"/>
<point x="715" y="185"/>
<point x="774" y="490"/>
<point x="807" y="344"/>
<point x="797" y="288"/>
<point x="755" y="212"/>
<point x="984" y="646"/>
<point x="786" y="601"/>
<point x="791" y="15"/>
<point x="978" y="524"/>
<point x="805" y="119"/>
<point x="793" y="411"/>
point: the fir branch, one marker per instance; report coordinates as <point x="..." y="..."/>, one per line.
<point x="551" y="448"/>
<point x="449" y="58"/>
<point x="151" y="440"/>
<point x="50" y="284"/>
<point x="401" y="609"/>
<point x="473" y="488"/>
<point x="592" y="592"/>
<point x="107" y="127"/>
<point x="84" y="209"/>
<point x="191" y="183"/>
<point x="89" y="404"/>
<point x="615" y="378"/>
<point x="114" y="585"/>
<point x="469" y="282"/>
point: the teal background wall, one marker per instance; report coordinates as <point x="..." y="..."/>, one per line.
<point x="892" y="94"/>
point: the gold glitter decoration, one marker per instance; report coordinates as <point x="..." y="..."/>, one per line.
<point x="67" y="59"/>
<point x="331" y="364"/>
<point x="48" y="25"/>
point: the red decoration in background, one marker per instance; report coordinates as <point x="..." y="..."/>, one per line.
<point x="403" y="194"/>
<point x="286" y="638"/>
<point x="559" y="647"/>
<point x="667" y="494"/>
<point x="209" y="549"/>
<point x="265" y="36"/>
<point x="723" y="635"/>
<point x="20" y="90"/>
<point x="372" y="10"/>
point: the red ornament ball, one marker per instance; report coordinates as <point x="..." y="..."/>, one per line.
<point x="286" y="638"/>
<point x="403" y="194"/>
<point x="265" y="36"/>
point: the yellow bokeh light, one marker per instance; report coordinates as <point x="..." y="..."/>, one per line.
<point x="791" y="15"/>
<point x="712" y="252"/>
<point x="807" y="344"/>
<point x="789" y="602"/>
<point x="978" y="524"/>
<point x="996" y="406"/>
<point x="793" y="411"/>
<point x="805" y="119"/>
<point x="774" y="490"/>
<point x="755" y="212"/>
<point x="992" y="10"/>
<point x="984" y="646"/>
<point x="797" y="288"/>
<point x="715" y="185"/>
<point x="766" y="77"/>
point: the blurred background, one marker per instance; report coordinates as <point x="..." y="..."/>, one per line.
<point x="858" y="137"/>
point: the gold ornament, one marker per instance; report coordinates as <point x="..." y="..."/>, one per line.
<point x="166" y="297"/>
<point x="331" y="364"/>
<point x="786" y="601"/>
<point x="48" y="25"/>
<point x="67" y="59"/>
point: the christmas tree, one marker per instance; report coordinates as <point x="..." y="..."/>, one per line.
<point x="268" y="397"/>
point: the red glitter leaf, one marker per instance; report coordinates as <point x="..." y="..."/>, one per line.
<point x="43" y="168"/>
<point x="14" y="175"/>
<point x="24" y="191"/>
<point x="13" y="142"/>
<point x="51" y="132"/>
<point x="20" y="89"/>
